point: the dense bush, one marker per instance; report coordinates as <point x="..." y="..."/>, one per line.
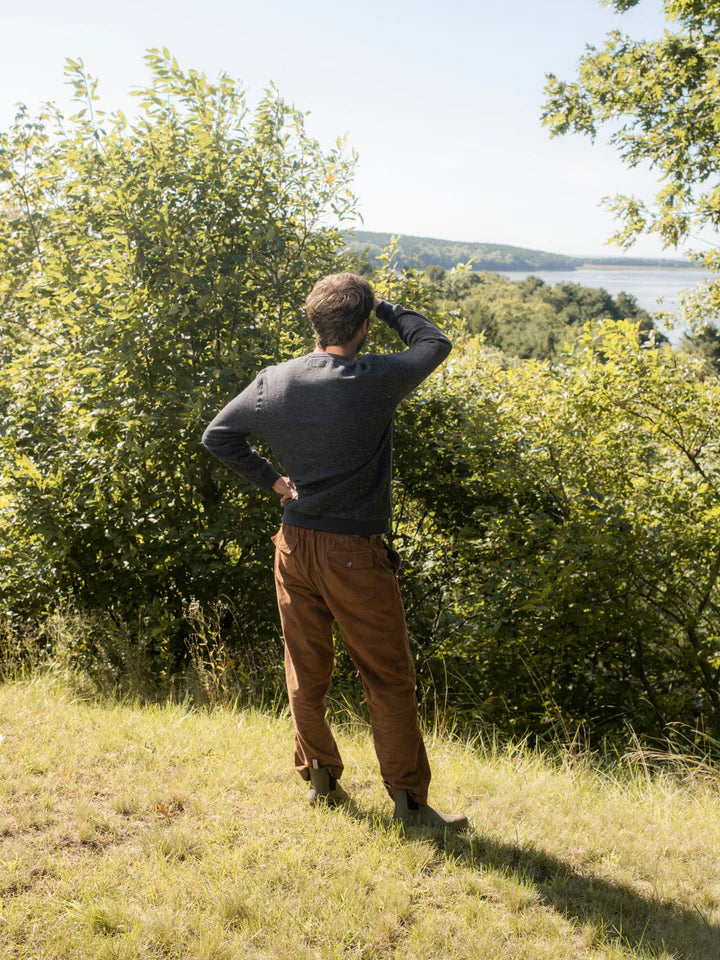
<point x="564" y="536"/>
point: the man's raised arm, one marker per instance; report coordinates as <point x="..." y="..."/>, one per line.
<point x="427" y="346"/>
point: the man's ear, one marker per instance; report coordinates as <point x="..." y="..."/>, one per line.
<point x="362" y="330"/>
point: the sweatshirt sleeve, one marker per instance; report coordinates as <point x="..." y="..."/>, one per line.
<point x="427" y="346"/>
<point x="226" y="437"/>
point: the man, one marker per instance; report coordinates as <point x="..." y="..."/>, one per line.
<point x="327" y="417"/>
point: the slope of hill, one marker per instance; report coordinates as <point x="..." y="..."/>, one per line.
<point x="162" y="831"/>
<point x="487" y="256"/>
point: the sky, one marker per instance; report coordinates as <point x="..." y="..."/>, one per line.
<point x="442" y="102"/>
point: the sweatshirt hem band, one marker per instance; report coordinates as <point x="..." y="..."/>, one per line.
<point x="360" y="528"/>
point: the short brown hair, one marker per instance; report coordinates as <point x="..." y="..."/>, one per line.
<point x="337" y="306"/>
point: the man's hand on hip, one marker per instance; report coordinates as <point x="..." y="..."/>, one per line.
<point x="286" y="488"/>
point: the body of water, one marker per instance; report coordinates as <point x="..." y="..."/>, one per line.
<point x="654" y="288"/>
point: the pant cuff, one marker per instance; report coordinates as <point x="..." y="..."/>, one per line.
<point x="335" y="771"/>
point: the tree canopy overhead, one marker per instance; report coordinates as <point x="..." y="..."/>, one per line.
<point x="661" y="99"/>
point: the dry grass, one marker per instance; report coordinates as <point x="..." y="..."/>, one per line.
<point x="163" y="832"/>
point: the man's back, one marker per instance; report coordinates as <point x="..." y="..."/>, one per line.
<point x="328" y="421"/>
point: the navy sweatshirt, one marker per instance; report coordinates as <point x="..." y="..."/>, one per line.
<point x="328" y="421"/>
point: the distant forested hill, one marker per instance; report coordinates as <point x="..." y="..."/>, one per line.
<point x="487" y="256"/>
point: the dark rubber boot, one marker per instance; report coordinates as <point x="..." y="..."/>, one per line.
<point x="324" y="788"/>
<point x="409" y="812"/>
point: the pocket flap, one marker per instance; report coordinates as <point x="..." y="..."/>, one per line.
<point x="350" y="559"/>
<point x="285" y="542"/>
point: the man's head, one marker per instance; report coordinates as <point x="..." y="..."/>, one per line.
<point x="337" y="306"/>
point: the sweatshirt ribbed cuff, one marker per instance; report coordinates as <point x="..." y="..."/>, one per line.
<point x="385" y="311"/>
<point x="268" y="477"/>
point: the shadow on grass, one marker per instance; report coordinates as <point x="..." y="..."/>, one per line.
<point x="620" y="914"/>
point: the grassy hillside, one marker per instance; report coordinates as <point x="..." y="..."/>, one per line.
<point x="487" y="256"/>
<point x="166" y="832"/>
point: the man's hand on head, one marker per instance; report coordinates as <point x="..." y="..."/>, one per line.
<point x="286" y="488"/>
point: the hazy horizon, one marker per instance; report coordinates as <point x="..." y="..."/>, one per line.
<point x="589" y="258"/>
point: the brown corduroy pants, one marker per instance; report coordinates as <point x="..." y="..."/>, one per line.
<point x="323" y="577"/>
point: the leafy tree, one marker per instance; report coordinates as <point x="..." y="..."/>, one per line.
<point x="149" y="269"/>
<point x="704" y="342"/>
<point x="435" y="272"/>
<point x="662" y="99"/>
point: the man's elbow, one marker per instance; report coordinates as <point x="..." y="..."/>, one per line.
<point x="209" y="440"/>
<point x="225" y="444"/>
